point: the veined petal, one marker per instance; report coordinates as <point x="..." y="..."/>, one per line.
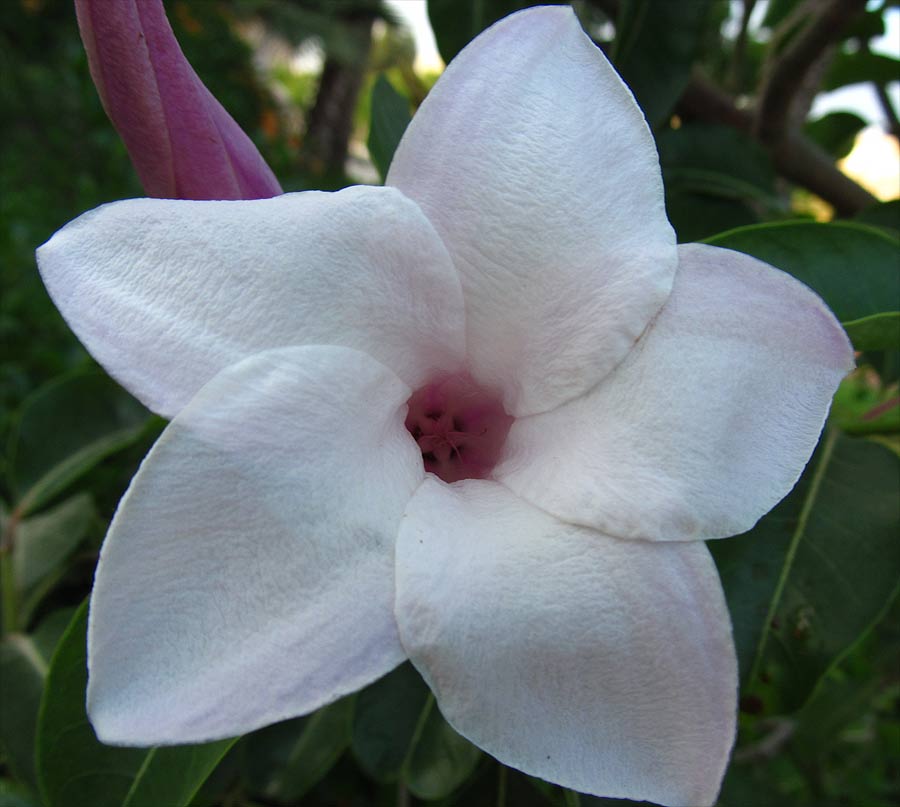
<point x="606" y="666"/>
<point x="536" y="167"/>
<point x="707" y="424"/>
<point x="248" y="574"/>
<point x="182" y="142"/>
<point x="165" y="294"/>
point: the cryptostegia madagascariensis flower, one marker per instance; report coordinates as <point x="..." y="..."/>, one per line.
<point x="482" y="418"/>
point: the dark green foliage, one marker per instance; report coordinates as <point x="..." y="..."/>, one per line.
<point x="853" y="267"/>
<point x="717" y="178"/>
<point x="812" y="588"/>
<point x="74" y="769"/>
<point x="389" y="119"/>
<point x="457" y="22"/>
<point x="836" y="132"/>
<point x="816" y="573"/>
<point x="656" y="44"/>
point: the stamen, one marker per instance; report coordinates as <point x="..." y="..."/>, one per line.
<point x="459" y="426"/>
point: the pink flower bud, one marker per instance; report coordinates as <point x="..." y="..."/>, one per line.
<point x="182" y="142"/>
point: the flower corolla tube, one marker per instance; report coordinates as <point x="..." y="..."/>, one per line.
<point x="483" y="418"/>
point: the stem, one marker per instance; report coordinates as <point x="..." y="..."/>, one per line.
<point x="501" y="785"/>
<point x="10" y="598"/>
<point x="788" y="71"/>
<point x="9" y="595"/>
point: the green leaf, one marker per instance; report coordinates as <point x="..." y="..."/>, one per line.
<point x="777" y="11"/>
<point x="22" y="673"/>
<point x="656" y="42"/>
<point x="75" y="769"/>
<point x="398" y="731"/>
<point x="384" y="725"/>
<point x="457" y="22"/>
<point x="286" y="760"/>
<point x="835" y="132"/>
<point x="24" y="661"/>
<point x="877" y="332"/>
<point x="853" y="267"/>
<point x="726" y="157"/>
<point x="885" y="215"/>
<point x="816" y="573"/>
<point x="90" y="419"/>
<point x="16" y="796"/>
<point x="389" y="119"/>
<point x="861" y="67"/>
<point x="863" y="408"/>
<point x="440" y="760"/>
<point x="44" y="542"/>
<point x="696" y="216"/>
<point x="715" y="178"/>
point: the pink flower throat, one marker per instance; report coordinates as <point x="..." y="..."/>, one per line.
<point x="460" y="427"/>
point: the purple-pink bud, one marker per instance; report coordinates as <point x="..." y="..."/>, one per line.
<point x="182" y="142"/>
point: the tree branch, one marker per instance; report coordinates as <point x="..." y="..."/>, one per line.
<point x="795" y="157"/>
<point x="787" y="72"/>
<point x="888" y="108"/>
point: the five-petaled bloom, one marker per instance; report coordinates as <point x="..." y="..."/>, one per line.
<point x="483" y="418"/>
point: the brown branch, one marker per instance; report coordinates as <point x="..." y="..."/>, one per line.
<point x="787" y="72"/>
<point x="795" y="157"/>
<point x="888" y="108"/>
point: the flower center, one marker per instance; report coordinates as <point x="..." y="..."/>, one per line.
<point x="460" y="427"/>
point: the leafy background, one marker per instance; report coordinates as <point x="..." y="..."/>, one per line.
<point x="727" y="88"/>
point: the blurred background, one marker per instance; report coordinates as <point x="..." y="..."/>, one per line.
<point x="739" y="144"/>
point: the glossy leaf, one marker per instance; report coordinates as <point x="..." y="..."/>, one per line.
<point x="286" y="760"/>
<point x="852" y="266"/>
<point x="715" y="178"/>
<point x="877" y="332"/>
<point x="89" y="417"/>
<point x="814" y="574"/>
<point x="389" y="119"/>
<point x="12" y="795"/>
<point x="22" y="673"/>
<point x="385" y="721"/>
<point x="835" y="132"/>
<point x="24" y="662"/>
<point x="726" y="156"/>
<point x="440" y="760"/>
<point x="74" y="769"/>
<point x="885" y="215"/>
<point x="457" y="22"/>
<point x="861" y="67"/>
<point x="656" y="42"/>
<point x="777" y="11"/>
<point x="44" y="542"/>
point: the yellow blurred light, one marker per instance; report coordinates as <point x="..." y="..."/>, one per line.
<point x="875" y="163"/>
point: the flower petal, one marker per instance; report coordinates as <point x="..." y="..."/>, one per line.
<point x="166" y="293"/>
<point x="182" y="142"/>
<point x="538" y="170"/>
<point x="248" y="574"/>
<point x="606" y="666"/>
<point x="707" y="424"/>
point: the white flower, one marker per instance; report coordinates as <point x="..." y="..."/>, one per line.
<point x="283" y="545"/>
